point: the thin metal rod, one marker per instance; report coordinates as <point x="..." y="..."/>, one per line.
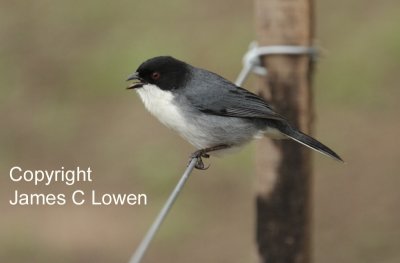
<point x="142" y="248"/>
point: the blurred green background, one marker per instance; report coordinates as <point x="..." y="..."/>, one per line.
<point x="63" y="102"/>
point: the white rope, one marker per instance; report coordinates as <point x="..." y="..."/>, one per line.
<point x="252" y="58"/>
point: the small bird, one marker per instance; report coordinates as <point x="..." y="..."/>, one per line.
<point x="209" y="111"/>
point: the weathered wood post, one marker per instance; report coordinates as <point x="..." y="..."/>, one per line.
<point x="284" y="172"/>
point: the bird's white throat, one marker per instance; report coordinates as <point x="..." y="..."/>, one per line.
<point x="160" y="103"/>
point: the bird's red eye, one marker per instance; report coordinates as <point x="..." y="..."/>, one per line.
<point x="155" y="75"/>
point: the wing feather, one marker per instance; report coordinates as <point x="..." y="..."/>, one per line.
<point x="227" y="99"/>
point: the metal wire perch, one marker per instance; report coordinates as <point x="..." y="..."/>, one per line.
<point x="141" y="250"/>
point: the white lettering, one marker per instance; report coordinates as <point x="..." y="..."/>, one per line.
<point x="118" y="199"/>
<point x="11" y="174"/>
<point x="144" y="197"/>
<point x="37" y="199"/>
<point x="46" y="177"/>
<point x="74" y="200"/>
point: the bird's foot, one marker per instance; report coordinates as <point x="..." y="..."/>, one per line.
<point x="203" y="153"/>
<point x="199" y="155"/>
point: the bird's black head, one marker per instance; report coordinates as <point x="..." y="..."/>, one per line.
<point x="165" y="72"/>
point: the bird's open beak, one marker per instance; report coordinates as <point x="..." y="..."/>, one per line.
<point x="135" y="85"/>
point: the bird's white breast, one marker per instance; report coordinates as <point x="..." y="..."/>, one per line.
<point x="201" y="130"/>
<point x="160" y="103"/>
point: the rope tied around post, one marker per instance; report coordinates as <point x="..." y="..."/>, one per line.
<point x="252" y="58"/>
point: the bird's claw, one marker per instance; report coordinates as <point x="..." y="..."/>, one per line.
<point x="199" y="162"/>
<point x="200" y="165"/>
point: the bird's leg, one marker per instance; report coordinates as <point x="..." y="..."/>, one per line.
<point x="198" y="155"/>
<point x="203" y="153"/>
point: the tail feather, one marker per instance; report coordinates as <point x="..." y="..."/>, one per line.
<point x="310" y="142"/>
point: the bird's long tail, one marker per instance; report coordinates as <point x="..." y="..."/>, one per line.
<point x="310" y="142"/>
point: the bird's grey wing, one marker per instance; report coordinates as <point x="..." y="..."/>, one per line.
<point x="220" y="97"/>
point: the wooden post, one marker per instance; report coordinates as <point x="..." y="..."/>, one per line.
<point x="284" y="167"/>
